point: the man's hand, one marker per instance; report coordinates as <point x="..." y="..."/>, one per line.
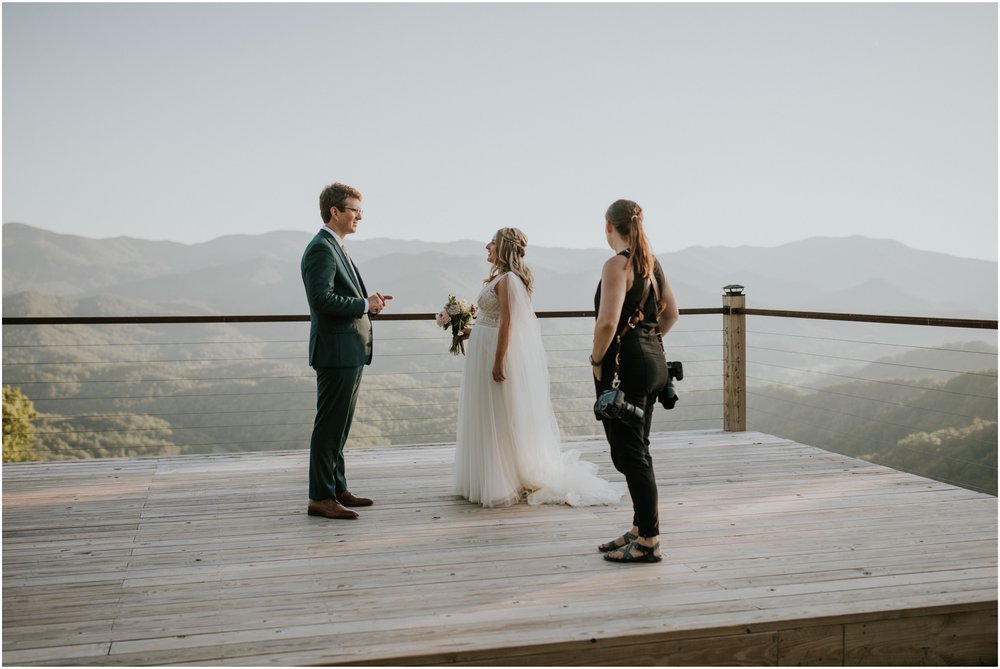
<point x="376" y="303"/>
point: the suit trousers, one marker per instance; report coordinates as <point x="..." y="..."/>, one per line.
<point x="336" y="396"/>
<point x="643" y="374"/>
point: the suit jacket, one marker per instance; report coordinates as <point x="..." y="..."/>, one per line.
<point x="340" y="332"/>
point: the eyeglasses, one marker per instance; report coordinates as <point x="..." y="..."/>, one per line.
<point x="357" y="212"/>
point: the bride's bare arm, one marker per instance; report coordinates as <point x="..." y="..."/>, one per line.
<point x="503" y="336"/>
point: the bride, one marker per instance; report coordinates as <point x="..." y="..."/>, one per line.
<point x="508" y="442"/>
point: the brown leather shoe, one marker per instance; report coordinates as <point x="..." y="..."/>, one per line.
<point x="329" y="508"/>
<point x="347" y="499"/>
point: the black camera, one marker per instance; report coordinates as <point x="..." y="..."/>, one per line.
<point x="612" y="404"/>
<point x="668" y="396"/>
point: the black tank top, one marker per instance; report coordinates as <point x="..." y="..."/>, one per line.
<point x="634" y="294"/>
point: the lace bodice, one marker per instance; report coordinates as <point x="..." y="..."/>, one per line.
<point x="489" y="305"/>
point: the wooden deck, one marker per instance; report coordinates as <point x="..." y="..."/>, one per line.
<point x="777" y="553"/>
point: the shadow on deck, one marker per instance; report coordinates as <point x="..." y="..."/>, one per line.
<point x="776" y="553"/>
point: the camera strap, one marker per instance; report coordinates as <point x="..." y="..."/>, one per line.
<point x="656" y="294"/>
<point x="630" y="324"/>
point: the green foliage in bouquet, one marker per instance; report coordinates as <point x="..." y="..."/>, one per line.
<point x="456" y="315"/>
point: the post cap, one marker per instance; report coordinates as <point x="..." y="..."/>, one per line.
<point x="733" y="289"/>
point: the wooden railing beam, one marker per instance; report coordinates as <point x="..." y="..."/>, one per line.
<point x="876" y="318"/>
<point x="272" y="318"/>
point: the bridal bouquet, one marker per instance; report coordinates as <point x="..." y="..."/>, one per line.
<point x="455" y="315"/>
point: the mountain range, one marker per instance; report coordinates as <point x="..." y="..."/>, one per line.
<point x="52" y="274"/>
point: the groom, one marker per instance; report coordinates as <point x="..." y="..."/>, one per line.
<point x="340" y="345"/>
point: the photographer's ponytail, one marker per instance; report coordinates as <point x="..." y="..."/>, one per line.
<point x="626" y="217"/>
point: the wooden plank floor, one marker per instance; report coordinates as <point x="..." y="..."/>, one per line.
<point x="776" y="553"/>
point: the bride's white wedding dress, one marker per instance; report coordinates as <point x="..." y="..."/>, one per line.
<point x="508" y="442"/>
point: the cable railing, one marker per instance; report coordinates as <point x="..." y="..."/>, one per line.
<point x="919" y="399"/>
<point x="123" y="387"/>
<point x="904" y="391"/>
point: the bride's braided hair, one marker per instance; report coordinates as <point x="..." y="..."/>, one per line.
<point x="510" y="245"/>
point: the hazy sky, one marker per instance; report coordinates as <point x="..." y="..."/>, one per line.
<point x="730" y="124"/>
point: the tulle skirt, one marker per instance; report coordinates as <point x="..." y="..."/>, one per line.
<point x="508" y="444"/>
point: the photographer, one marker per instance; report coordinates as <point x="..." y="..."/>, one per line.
<point x="635" y="307"/>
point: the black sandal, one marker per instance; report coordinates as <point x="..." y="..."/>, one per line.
<point x="612" y="545"/>
<point x="646" y="553"/>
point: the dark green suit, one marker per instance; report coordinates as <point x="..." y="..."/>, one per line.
<point x="340" y="345"/>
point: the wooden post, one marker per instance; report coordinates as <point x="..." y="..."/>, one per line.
<point x="734" y="360"/>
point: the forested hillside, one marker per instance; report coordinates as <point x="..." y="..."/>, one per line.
<point x="940" y="428"/>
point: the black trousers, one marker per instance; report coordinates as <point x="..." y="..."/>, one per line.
<point x="336" y="396"/>
<point x="643" y="373"/>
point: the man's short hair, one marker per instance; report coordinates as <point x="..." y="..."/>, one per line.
<point x="334" y="196"/>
